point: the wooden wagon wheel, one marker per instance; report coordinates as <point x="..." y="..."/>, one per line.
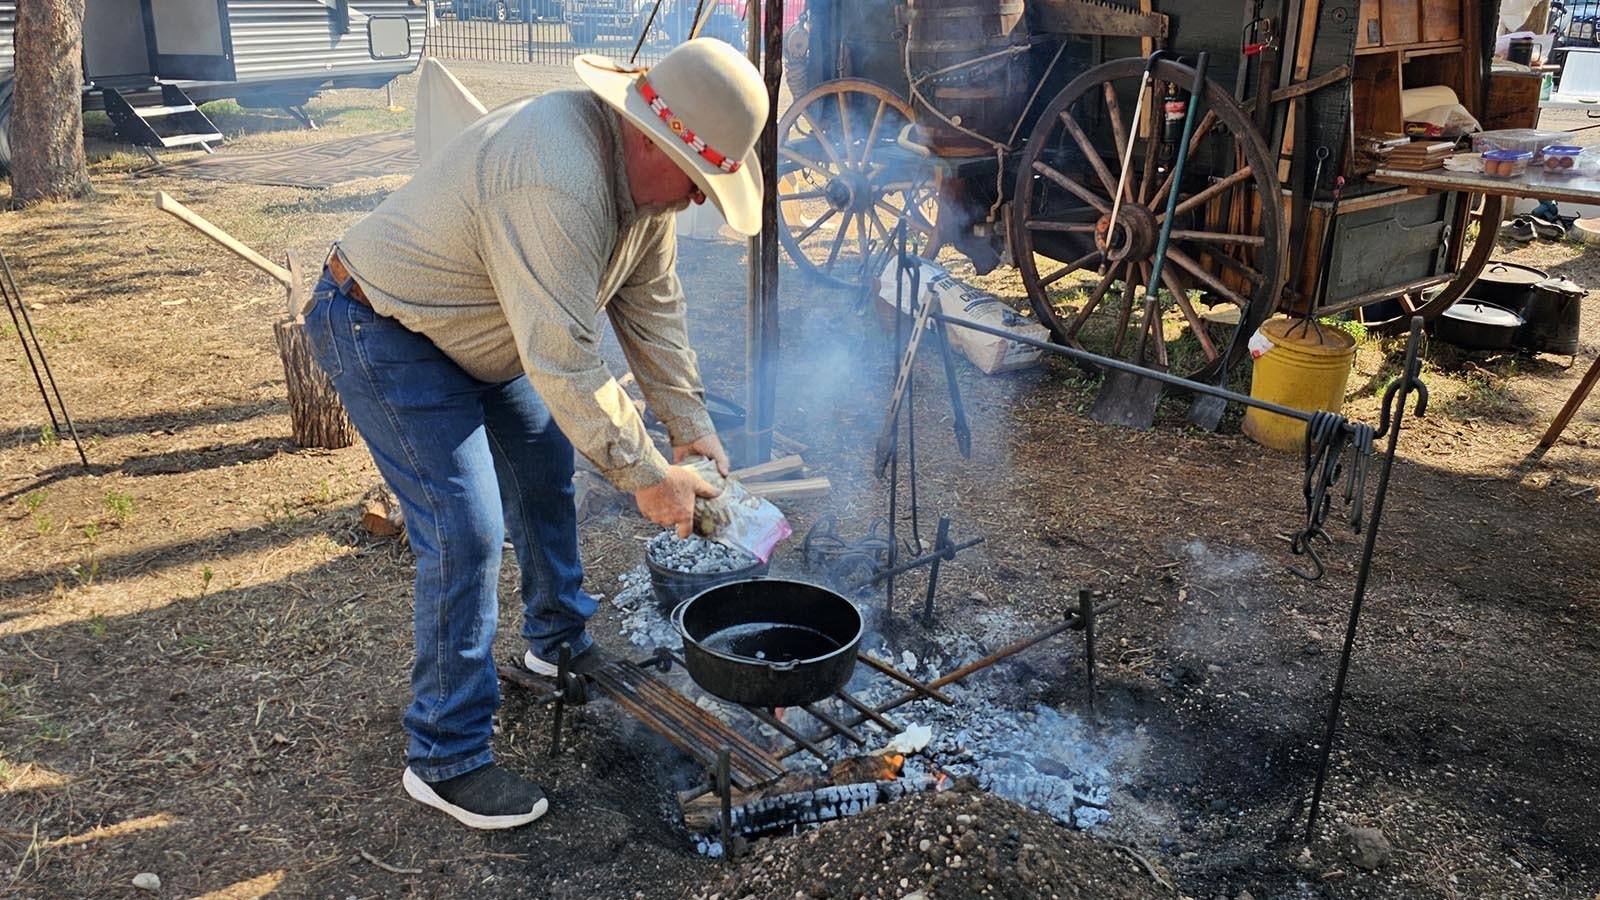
<point x="845" y="183"/>
<point x="1472" y="264"/>
<point x="1061" y="217"/>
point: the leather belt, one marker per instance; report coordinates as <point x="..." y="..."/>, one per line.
<point x="347" y="282"/>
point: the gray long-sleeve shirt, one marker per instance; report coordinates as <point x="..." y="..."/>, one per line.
<point x="504" y="250"/>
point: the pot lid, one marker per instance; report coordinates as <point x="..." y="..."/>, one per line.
<point x="1478" y="313"/>
<point x="1561" y="286"/>
<point x="1498" y="272"/>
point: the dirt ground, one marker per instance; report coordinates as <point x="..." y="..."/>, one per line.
<point x="203" y="658"/>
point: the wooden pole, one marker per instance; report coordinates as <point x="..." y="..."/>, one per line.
<point x="166" y="203"/>
<point x="1570" y="408"/>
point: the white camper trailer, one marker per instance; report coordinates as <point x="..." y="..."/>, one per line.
<point x="149" y="63"/>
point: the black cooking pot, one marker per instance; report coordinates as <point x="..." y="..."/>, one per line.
<point x="769" y="642"/>
<point x="671" y="587"/>
<point x="1552" y="317"/>
<point x="1475" y="325"/>
<point x="1506" y="284"/>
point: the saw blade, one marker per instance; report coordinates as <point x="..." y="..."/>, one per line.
<point x="1097" y="17"/>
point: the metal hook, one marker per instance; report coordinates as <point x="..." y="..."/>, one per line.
<point x="1410" y="382"/>
<point x="1302" y="546"/>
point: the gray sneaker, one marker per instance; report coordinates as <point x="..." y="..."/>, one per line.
<point x="1519" y="229"/>
<point x="1550" y="231"/>
<point x="487" y="797"/>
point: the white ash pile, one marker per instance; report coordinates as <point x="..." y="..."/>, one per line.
<point x="643" y="623"/>
<point x="1053" y="763"/>
<point x="1049" y="762"/>
<point x="695" y="555"/>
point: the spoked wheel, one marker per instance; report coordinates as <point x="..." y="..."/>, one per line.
<point x="1083" y="271"/>
<point x="845" y="183"/>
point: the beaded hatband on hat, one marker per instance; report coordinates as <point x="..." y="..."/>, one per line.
<point x="677" y="126"/>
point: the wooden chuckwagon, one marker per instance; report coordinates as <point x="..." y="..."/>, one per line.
<point x="1005" y="128"/>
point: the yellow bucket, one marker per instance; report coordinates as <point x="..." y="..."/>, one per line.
<point x="1301" y="369"/>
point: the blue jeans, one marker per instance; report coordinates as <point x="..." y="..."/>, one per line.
<point x="470" y="462"/>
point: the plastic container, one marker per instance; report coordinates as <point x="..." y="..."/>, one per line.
<point x="1532" y="140"/>
<point x="1568" y="161"/>
<point x="1301" y="369"/>
<point x="1506" y="163"/>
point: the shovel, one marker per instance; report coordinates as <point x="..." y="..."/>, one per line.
<point x="1125" y="398"/>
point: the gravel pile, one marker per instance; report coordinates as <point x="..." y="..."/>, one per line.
<point x="956" y="845"/>
<point x="696" y="555"/>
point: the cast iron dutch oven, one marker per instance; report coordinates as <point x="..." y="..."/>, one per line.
<point x="769" y="642"/>
<point x="1475" y="325"/>
<point x="1506" y="284"/>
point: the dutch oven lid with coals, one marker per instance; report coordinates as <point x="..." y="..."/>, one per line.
<point x="1476" y="313"/>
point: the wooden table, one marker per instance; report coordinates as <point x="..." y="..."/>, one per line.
<point x="1536" y="184"/>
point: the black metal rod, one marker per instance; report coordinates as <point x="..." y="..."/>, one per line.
<point x="1071" y="624"/>
<point x="882" y="721"/>
<point x="725" y="789"/>
<point x="848" y="733"/>
<point x="894" y="430"/>
<point x="539" y="692"/>
<point x="1086" y="602"/>
<point x="910" y="407"/>
<point x="921" y="561"/>
<point x="1120" y="366"/>
<point x="563" y="660"/>
<point x="648" y="22"/>
<point x="801" y="742"/>
<point x="11" y="285"/>
<point x="698" y="727"/>
<point x="1365" y="569"/>
<point x="940" y="542"/>
<point x="907" y="680"/>
<point x="27" y="350"/>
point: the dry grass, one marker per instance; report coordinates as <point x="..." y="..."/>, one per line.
<point x="202" y="659"/>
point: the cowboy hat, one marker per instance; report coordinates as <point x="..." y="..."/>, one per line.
<point x="704" y="104"/>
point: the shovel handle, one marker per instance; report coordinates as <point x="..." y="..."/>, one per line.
<point x="1196" y="97"/>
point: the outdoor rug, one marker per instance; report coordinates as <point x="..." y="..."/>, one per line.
<point x="314" y="166"/>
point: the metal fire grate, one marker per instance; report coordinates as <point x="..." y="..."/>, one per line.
<point x="708" y="739"/>
<point x="688" y="727"/>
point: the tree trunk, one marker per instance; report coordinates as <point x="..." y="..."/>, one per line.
<point x="316" y="417"/>
<point x="47" y="161"/>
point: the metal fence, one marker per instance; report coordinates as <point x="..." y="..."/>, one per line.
<point x="556" y="31"/>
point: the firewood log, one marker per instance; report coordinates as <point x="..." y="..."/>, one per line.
<point x="796" y="489"/>
<point x="380" y="512"/>
<point x="316" y="417"/>
<point x="769" y="471"/>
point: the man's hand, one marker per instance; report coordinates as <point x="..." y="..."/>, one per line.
<point x="709" y="446"/>
<point x="670" y="501"/>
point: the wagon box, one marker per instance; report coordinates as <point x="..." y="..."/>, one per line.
<point x="1025" y="131"/>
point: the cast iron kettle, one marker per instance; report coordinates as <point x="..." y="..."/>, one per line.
<point x="769" y="642"/>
